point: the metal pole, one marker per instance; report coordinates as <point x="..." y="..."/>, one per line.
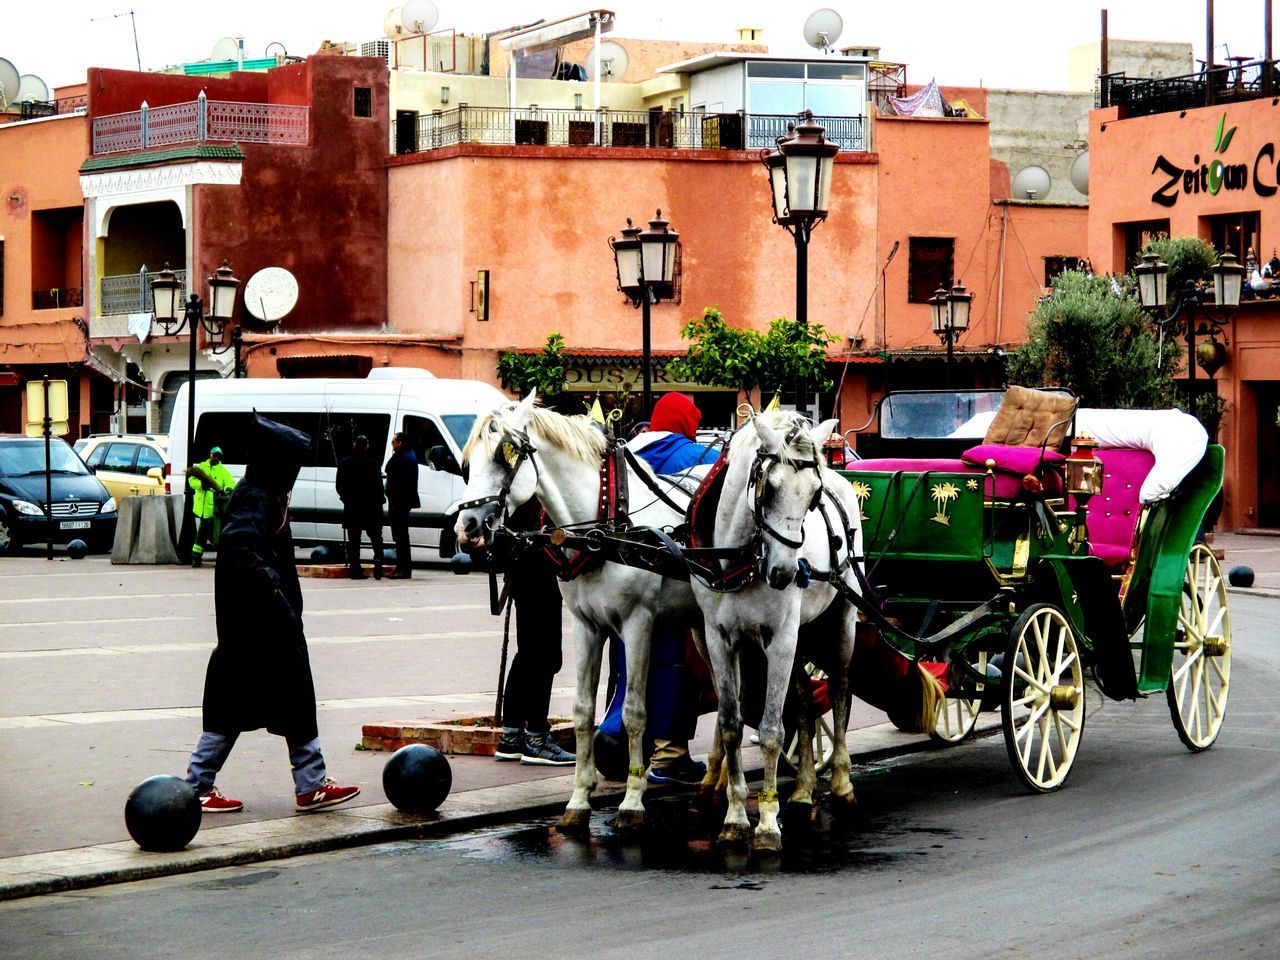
<point x="1105" y="66"/>
<point x="1191" y="357"/>
<point x="1208" y="53"/>
<point x="951" y="338"/>
<point x="802" y="304"/>
<point x="48" y="476"/>
<point x="646" y="372"/>
<point x="188" y="535"/>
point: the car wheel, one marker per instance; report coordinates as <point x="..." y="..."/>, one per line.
<point x="8" y="543"/>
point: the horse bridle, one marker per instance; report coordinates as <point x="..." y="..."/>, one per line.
<point x="512" y="451"/>
<point x="759" y="480"/>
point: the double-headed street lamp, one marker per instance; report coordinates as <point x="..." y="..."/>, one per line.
<point x="646" y="264"/>
<point x="950" y="318"/>
<point x="800" y="172"/>
<point x="175" y="315"/>
<point x="1153" y="290"/>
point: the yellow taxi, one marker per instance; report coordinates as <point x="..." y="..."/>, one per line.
<point x="129" y="465"/>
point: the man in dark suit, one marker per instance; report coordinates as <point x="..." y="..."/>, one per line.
<point x="359" y="485"/>
<point x="402" y="496"/>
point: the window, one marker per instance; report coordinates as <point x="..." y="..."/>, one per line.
<point x="930" y="267"/>
<point x="340" y="430"/>
<point x="1055" y="266"/>
<point x="364" y="102"/>
<point x="230" y="431"/>
<point x="1136" y="235"/>
<point x="1238" y="233"/>
<point x="94" y="460"/>
<point x="423" y="435"/>
<point x="148" y="459"/>
<point x="119" y="457"/>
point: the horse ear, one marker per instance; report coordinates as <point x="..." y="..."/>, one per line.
<point x="520" y="416"/>
<point x="770" y="439"/>
<point x="822" y="432"/>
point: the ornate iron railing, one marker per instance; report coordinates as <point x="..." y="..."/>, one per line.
<point x="130" y="293"/>
<point x="1141" y="96"/>
<point x="202" y="121"/>
<point x="53" y="299"/>
<point x="559" y="127"/>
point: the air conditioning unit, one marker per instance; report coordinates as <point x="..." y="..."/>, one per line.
<point x="377" y="48"/>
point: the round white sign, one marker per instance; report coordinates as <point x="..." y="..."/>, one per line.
<point x="271" y="293"/>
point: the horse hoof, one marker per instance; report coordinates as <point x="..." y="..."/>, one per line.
<point x="575" y="822"/>
<point x="629" y="820"/>
<point x="845" y="806"/>
<point x="768" y="842"/>
<point x="735" y="835"/>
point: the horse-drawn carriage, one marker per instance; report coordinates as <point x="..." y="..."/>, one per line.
<point x="997" y="550"/>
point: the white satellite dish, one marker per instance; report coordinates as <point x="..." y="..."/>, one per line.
<point x="228" y="48"/>
<point x="613" y="61"/>
<point x="822" y="29"/>
<point x="31" y="87"/>
<point x="391" y="25"/>
<point x="1079" y="173"/>
<point x="1031" y="183"/>
<point x="271" y="293"/>
<point x="8" y="82"/>
<point x="419" y="16"/>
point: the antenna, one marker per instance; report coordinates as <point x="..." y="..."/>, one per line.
<point x="225" y="49"/>
<point x="419" y="16"/>
<point x="822" y="29"/>
<point x="613" y="61"/>
<point x="8" y="82"/>
<point x="1031" y="182"/>
<point x="133" y="17"/>
<point x="31" y="87"/>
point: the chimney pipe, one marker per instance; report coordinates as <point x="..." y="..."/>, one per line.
<point x="1104" y="68"/>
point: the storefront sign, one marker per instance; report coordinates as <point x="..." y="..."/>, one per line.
<point x="1216" y="174"/>
<point x="623" y="378"/>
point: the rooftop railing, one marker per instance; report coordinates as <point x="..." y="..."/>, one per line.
<point x="31" y="109"/>
<point x="131" y="293"/>
<point x="201" y="121"/>
<point x="1141" y="97"/>
<point x="560" y="127"/>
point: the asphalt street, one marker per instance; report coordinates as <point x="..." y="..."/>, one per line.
<point x="1149" y="851"/>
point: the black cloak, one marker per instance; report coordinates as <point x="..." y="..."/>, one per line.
<point x="259" y="674"/>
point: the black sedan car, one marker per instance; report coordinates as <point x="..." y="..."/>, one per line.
<point x="82" y="507"/>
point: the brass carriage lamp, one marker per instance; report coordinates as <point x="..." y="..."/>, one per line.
<point x="1083" y="474"/>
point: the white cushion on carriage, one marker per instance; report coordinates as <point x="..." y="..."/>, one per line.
<point x="1175" y="439"/>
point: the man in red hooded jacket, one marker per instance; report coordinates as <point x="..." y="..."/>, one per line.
<point x="669" y="445"/>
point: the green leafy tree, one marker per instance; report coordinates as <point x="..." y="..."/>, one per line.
<point x="1189" y="259"/>
<point x="1098" y="342"/>
<point x="544" y="371"/>
<point x="792" y="352"/>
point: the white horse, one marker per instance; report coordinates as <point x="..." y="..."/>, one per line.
<point x="779" y="496"/>
<point x="521" y="450"/>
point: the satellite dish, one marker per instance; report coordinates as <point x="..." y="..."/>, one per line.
<point x="1031" y="183"/>
<point x="391" y="25"/>
<point x="8" y="82"/>
<point x="822" y="29"/>
<point x="419" y="16"/>
<point x="228" y="48"/>
<point x="613" y="61"/>
<point x="1079" y="173"/>
<point x="31" y="87"/>
<point x="270" y="294"/>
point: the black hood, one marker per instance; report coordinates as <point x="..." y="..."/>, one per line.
<point x="83" y="487"/>
<point x="276" y="454"/>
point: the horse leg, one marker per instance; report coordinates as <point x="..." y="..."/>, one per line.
<point x="636" y="638"/>
<point x="806" y="771"/>
<point x="712" y="783"/>
<point x="589" y="643"/>
<point x="724" y="666"/>
<point x="781" y="661"/>
<point x="841" y="697"/>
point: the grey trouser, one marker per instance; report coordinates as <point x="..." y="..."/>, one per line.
<point x="212" y="750"/>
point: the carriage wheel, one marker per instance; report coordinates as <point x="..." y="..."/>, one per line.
<point x="824" y="747"/>
<point x="1043" y="698"/>
<point x="957" y="717"/>
<point x="1197" y="690"/>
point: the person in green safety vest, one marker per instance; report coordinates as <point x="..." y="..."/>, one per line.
<point x="212" y="484"/>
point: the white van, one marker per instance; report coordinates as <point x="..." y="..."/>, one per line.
<point x="435" y="415"/>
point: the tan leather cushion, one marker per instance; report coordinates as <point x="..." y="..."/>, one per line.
<point x="1026" y="417"/>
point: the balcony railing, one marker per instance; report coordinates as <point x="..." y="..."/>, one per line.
<point x="201" y="121"/>
<point x="558" y="127"/>
<point x="1141" y="97"/>
<point x="51" y="108"/>
<point x="55" y="299"/>
<point x="131" y="293"/>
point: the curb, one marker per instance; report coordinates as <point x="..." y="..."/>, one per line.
<point x="1270" y="593"/>
<point x="81" y="868"/>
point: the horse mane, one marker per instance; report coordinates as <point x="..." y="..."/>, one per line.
<point x="800" y="450"/>
<point x="577" y="436"/>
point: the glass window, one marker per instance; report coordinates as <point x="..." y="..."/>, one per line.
<point x="21" y="458"/>
<point x="1238" y="233"/>
<point x="94" y="460"/>
<point x="785" y="98"/>
<point x="337" y="439"/>
<point x="148" y="459"/>
<point x="770" y="68"/>
<point x="119" y="457"/>
<point x="459" y="426"/>
<point x="1136" y="235"/>
<point x="930" y="267"/>
<point x="363" y="102"/>
<point x="834" y="99"/>
<point x="835" y="71"/>
<point x="230" y="431"/>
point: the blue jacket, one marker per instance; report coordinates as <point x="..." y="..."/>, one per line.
<point x="675" y="453"/>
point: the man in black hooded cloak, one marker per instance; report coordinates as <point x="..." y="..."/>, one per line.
<point x="259" y="673"/>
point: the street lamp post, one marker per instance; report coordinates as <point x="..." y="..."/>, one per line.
<point x="950" y="318"/>
<point x="646" y="265"/>
<point x="800" y="172"/>
<point x="1153" y="289"/>
<point x="175" y="315"/>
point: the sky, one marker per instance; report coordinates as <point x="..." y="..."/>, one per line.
<point x="994" y="43"/>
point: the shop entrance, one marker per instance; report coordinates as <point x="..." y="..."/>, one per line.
<point x="1268" y="395"/>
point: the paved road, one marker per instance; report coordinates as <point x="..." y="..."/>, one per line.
<point x="1149" y="852"/>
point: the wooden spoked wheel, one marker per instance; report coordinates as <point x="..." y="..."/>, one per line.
<point x="824" y="747"/>
<point x="1201" y="677"/>
<point x="1042" y="698"/>
<point x="956" y="717"/>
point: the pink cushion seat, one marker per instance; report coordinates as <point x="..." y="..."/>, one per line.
<point x="1113" y="513"/>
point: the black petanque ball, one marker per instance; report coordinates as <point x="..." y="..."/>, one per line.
<point x="461" y="563"/>
<point x="417" y="778"/>
<point x="162" y="813"/>
<point x="77" y="549"/>
<point x="1240" y="576"/>
<point x="611" y="755"/>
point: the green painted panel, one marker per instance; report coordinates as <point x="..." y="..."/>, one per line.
<point x="228" y="66"/>
<point x="929" y="516"/>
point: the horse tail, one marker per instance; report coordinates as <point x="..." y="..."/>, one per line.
<point x="931" y="697"/>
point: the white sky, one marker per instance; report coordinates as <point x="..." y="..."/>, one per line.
<point x="998" y="43"/>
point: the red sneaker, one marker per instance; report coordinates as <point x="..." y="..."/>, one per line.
<point x="215" y="802"/>
<point x="327" y="796"/>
